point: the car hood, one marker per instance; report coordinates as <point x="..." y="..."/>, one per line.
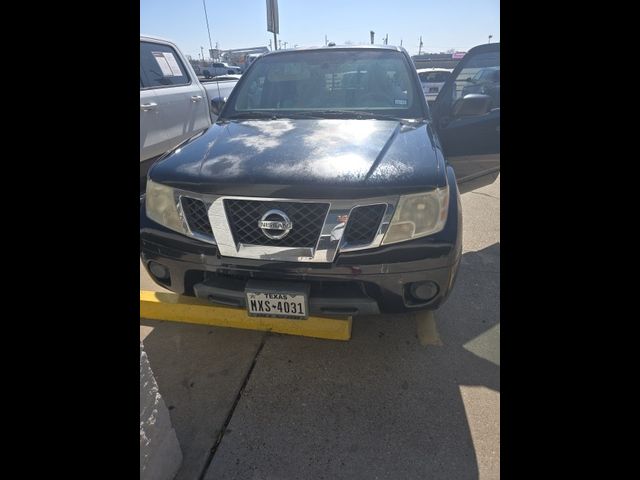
<point x="306" y="158"/>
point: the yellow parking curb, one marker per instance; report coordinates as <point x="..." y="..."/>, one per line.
<point x="178" y="308"/>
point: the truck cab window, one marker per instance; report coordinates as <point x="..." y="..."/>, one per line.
<point x="161" y="66"/>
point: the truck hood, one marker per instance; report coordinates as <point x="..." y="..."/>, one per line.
<point x="306" y="158"/>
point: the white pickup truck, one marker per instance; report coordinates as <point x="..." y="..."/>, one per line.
<point x="174" y="105"/>
<point x="220" y="68"/>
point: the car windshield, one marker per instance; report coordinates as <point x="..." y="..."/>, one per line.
<point x="356" y="82"/>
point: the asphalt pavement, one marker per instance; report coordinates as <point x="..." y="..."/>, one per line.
<point x="407" y="397"/>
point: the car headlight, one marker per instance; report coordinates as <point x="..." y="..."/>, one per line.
<point x="418" y="215"/>
<point x="162" y="206"/>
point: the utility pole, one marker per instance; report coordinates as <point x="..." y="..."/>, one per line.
<point x="420" y="47"/>
<point x="273" y="22"/>
<point x="400" y="42"/>
<point x="325" y="40"/>
<point x="202" y="54"/>
<point x="386" y="39"/>
<point x="270" y="47"/>
<point x="490" y="37"/>
<point x="372" y="33"/>
<point x="207" y="18"/>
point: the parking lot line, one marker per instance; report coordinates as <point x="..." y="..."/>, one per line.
<point x="427" y="329"/>
<point x="178" y="308"/>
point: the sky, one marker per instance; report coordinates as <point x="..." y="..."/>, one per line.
<point x="444" y="24"/>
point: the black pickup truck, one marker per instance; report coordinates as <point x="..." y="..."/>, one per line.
<point x="326" y="186"/>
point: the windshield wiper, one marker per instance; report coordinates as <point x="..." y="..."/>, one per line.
<point x="359" y="114"/>
<point x="270" y="115"/>
<point x="354" y="114"/>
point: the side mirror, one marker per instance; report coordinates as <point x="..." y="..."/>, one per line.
<point x="216" y="105"/>
<point x="471" y="105"/>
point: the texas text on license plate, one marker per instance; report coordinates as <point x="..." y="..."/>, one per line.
<point x="287" y="305"/>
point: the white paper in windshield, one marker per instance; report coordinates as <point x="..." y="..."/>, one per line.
<point x="173" y="64"/>
<point x="163" y="64"/>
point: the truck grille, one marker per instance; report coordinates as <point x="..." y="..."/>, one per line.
<point x="197" y="217"/>
<point x="363" y="224"/>
<point x="307" y="220"/>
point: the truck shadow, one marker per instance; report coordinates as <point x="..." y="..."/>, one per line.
<point x="387" y="404"/>
<point x="481" y="180"/>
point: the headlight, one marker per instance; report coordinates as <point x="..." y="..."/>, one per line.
<point x="418" y="215"/>
<point x="162" y="206"/>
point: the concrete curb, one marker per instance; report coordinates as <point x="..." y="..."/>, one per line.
<point x="178" y="308"/>
<point x="160" y="454"/>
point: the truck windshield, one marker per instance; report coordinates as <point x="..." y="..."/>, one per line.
<point x="322" y="82"/>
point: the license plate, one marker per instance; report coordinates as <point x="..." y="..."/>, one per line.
<point x="277" y="299"/>
<point x="284" y="305"/>
<point x="433" y="90"/>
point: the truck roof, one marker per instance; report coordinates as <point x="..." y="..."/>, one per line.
<point x="156" y="38"/>
<point x="339" y="47"/>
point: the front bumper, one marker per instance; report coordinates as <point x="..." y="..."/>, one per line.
<point x="371" y="281"/>
<point x="354" y="289"/>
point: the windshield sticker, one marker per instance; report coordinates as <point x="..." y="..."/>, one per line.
<point x="167" y="63"/>
<point x="400" y="102"/>
<point x="163" y="64"/>
<point x="173" y="64"/>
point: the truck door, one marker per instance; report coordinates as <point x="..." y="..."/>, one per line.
<point x="181" y="100"/>
<point x="151" y="130"/>
<point x="466" y="114"/>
